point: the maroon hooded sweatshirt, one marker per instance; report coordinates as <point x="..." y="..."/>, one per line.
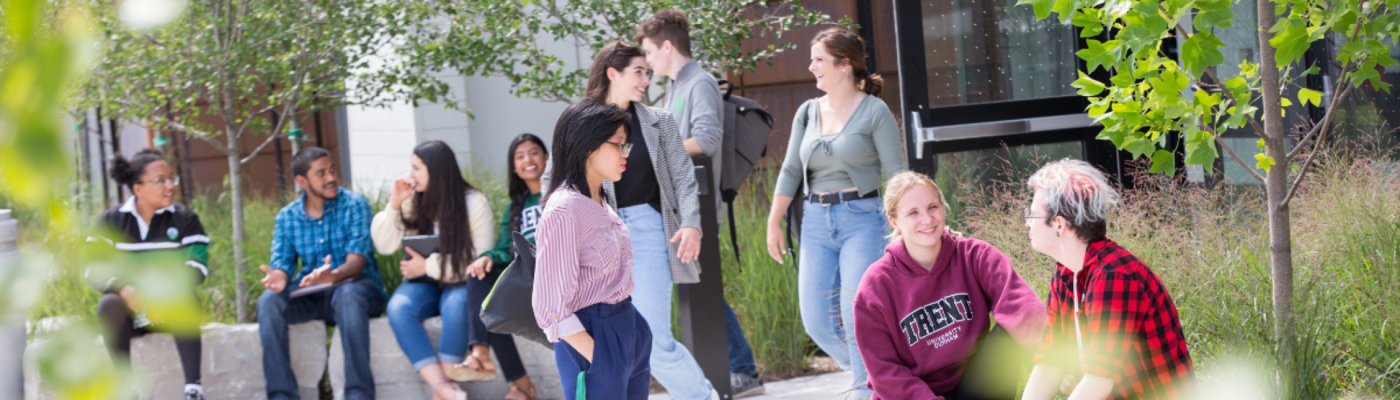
<point x="916" y="327"/>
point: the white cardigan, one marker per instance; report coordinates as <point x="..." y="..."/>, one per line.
<point x="388" y="231"/>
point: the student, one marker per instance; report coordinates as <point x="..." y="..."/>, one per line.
<point x="1113" y="330"/>
<point x="583" y="271"/>
<point x="693" y="98"/>
<point x="528" y="157"/>
<point x="149" y="222"/>
<point x="434" y="200"/>
<point x="923" y="311"/>
<point x="326" y="234"/>
<point x="843" y="147"/>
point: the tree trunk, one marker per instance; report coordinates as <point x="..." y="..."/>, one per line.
<point x="1276" y="186"/>
<point x="235" y="180"/>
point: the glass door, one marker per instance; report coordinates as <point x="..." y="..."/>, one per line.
<point x="981" y="75"/>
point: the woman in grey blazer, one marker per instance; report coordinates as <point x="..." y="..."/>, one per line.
<point x="658" y="201"/>
<point x="841" y="144"/>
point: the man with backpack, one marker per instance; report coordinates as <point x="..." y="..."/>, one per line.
<point x="694" y="99"/>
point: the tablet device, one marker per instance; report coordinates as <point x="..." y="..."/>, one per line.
<point x="423" y="244"/>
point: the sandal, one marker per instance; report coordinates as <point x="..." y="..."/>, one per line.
<point x="463" y="373"/>
<point x="530" y="395"/>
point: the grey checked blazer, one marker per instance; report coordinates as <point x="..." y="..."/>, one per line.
<point x="680" y="201"/>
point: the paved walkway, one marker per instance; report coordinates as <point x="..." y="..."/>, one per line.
<point x="829" y="386"/>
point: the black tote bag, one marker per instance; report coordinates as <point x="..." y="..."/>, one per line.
<point x="508" y="308"/>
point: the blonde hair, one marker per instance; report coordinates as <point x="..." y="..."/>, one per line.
<point x="899" y="185"/>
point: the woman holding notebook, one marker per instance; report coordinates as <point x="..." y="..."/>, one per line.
<point x="435" y="200"/>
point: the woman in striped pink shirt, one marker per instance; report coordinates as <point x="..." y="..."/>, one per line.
<point x="583" y="276"/>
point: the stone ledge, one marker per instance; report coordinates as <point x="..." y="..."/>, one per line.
<point x="394" y="377"/>
<point x="231" y="362"/>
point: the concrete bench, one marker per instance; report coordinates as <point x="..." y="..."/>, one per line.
<point x="231" y="363"/>
<point x="394" y="377"/>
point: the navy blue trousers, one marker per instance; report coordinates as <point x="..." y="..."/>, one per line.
<point x="621" y="348"/>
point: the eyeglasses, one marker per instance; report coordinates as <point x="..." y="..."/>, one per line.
<point x="625" y="148"/>
<point x="1027" y="214"/>
<point x="171" y="181"/>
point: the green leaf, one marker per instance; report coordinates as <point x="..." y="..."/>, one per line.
<point x="1170" y="84"/>
<point x="1098" y="53"/>
<point x="1213" y="14"/>
<point x="1087" y="86"/>
<point x="1137" y="145"/>
<point x="1041" y="7"/>
<point x="1204" y="99"/>
<point x="1202" y="152"/>
<point x="1200" y="52"/>
<point x="1265" y="162"/>
<point x="1249" y="69"/>
<point x="1290" y="40"/>
<point x="1088" y="21"/>
<point x="1163" y="162"/>
<point x="1137" y="38"/>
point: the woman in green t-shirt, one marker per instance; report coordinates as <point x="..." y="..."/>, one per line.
<point x="527" y="158"/>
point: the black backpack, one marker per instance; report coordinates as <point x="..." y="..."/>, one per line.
<point x="746" y="129"/>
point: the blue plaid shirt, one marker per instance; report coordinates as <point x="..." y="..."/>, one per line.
<point x="343" y="229"/>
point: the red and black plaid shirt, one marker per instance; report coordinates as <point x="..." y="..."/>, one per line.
<point x="1128" y="323"/>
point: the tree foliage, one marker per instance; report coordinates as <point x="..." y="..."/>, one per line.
<point x="1141" y="95"/>
<point x="229" y="68"/>
<point x="508" y="38"/>
<point x="1146" y="94"/>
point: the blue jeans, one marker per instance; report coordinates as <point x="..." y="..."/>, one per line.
<point x="414" y="302"/>
<point x="671" y="363"/>
<point x="621" y="346"/>
<point x="740" y="354"/>
<point x="839" y="242"/>
<point x="349" y="306"/>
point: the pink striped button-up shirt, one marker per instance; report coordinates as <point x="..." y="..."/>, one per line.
<point x="583" y="258"/>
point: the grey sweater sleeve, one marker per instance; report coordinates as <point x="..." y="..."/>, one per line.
<point x="886" y="137"/>
<point x="704" y="105"/>
<point x="791" y="174"/>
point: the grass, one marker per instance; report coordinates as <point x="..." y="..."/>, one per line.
<point x="1210" y="247"/>
<point x="1207" y="242"/>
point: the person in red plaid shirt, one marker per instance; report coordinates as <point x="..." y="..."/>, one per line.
<point x="1112" y="328"/>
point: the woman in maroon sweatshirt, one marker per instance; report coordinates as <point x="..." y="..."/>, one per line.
<point x="924" y="312"/>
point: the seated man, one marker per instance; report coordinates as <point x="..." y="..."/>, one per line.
<point x="327" y="230"/>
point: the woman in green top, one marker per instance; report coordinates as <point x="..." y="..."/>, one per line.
<point x="840" y="146"/>
<point x="528" y="155"/>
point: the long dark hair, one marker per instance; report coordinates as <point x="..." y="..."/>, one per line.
<point x="616" y="55"/>
<point x="581" y="130"/>
<point x="519" y="191"/>
<point x="444" y="202"/>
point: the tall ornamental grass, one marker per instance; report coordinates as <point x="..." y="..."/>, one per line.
<point x="1209" y="245"/>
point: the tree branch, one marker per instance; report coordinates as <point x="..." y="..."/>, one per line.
<point x="271" y="138"/>
<point x="1239" y="160"/>
<point x="1326" y="119"/>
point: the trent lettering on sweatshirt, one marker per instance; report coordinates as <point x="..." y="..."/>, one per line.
<point x="917" y="327"/>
